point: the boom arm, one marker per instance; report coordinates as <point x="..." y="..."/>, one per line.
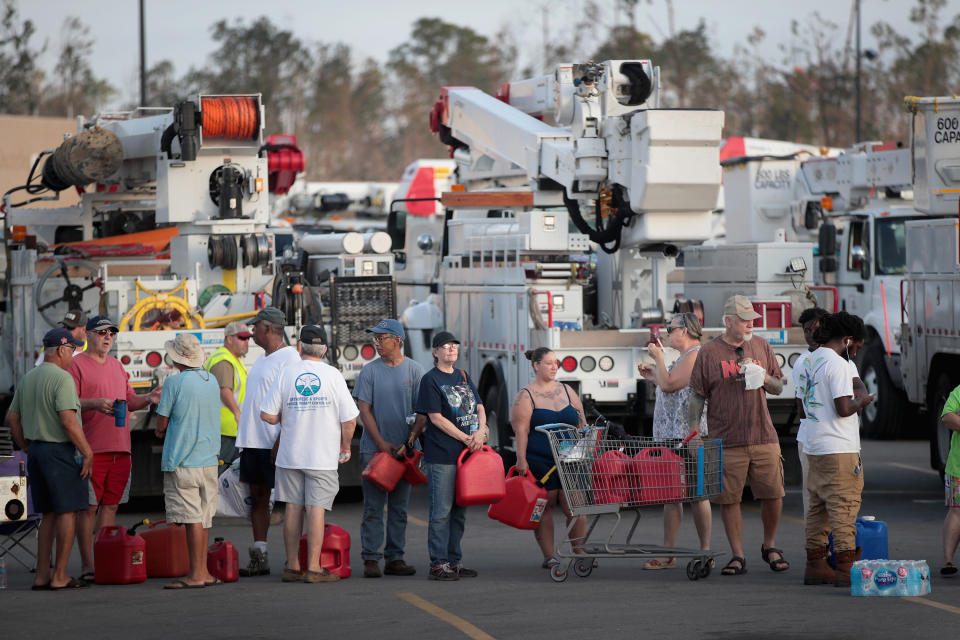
<point x="616" y="148"/>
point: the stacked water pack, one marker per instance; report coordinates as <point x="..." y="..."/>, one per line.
<point x="890" y="578"/>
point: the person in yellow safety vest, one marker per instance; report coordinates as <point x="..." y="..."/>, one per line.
<point x="226" y="366"/>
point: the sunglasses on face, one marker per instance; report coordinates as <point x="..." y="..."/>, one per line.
<point x="672" y="329"/>
<point x="449" y="347"/>
<point x="244" y="338"/>
<point x="105" y="332"/>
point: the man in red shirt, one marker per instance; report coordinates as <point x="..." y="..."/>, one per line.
<point x="733" y="374"/>
<point x="101" y="380"/>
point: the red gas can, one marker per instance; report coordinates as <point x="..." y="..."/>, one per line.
<point x="411" y="468"/>
<point x="661" y="476"/>
<point x="118" y="555"/>
<point x="223" y="561"/>
<point x="384" y="471"/>
<point x="335" y="552"/>
<point x="480" y="477"/>
<point x="614" y="480"/>
<point x="524" y="502"/>
<point x="167" y="555"/>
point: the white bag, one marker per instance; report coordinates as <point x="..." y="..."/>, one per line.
<point x="235" y="500"/>
<point x="753" y="375"/>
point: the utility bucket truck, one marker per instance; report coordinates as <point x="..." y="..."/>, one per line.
<point x="191" y="183"/>
<point x="562" y="236"/>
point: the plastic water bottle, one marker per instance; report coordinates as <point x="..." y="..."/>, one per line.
<point x="3" y="573"/>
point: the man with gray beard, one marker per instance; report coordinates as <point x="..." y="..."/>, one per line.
<point x="733" y="374"/>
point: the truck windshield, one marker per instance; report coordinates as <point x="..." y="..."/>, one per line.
<point x="891" y="246"/>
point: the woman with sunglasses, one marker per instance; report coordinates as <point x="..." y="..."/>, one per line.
<point x="670" y="420"/>
<point x="455" y="419"/>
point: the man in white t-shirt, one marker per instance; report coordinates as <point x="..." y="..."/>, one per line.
<point x="317" y="416"/>
<point x="810" y="321"/>
<point x="832" y="445"/>
<point x="255" y="437"/>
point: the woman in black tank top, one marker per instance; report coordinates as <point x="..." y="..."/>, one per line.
<point x="545" y="401"/>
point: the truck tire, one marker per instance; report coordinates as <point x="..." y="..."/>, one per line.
<point x="884" y="417"/>
<point x="939" y="435"/>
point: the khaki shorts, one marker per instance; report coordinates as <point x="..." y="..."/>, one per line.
<point x="761" y="464"/>
<point x="190" y="495"/>
<point x="308" y="487"/>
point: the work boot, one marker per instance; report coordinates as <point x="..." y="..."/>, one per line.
<point x="845" y="560"/>
<point x="818" y="571"/>
<point x="398" y="568"/>
<point x="259" y="564"/>
<point x="371" y="569"/>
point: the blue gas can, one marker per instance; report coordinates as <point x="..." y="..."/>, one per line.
<point x="871" y="537"/>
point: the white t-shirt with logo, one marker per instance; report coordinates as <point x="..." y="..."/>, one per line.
<point x="312" y="400"/>
<point x="797" y="368"/>
<point x="252" y="432"/>
<point x="824" y="376"/>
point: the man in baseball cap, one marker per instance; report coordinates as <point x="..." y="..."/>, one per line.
<point x="75" y="322"/>
<point x="102" y="323"/>
<point x="386" y="394"/>
<point x="256" y="437"/>
<point x="737" y="412"/>
<point x="60" y="337"/>
<point x="389" y="327"/>
<point x="73" y="319"/>
<point x="226" y="365"/>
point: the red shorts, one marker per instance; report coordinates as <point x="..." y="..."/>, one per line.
<point x="109" y="477"/>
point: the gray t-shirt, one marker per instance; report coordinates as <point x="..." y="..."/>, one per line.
<point x="392" y="393"/>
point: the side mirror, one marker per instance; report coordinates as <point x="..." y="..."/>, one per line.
<point x="827" y="239"/>
<point x="858" y="260"/>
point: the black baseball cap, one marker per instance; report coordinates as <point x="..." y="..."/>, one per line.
<point x="59" y="337"/>
<point x="312" y="334"/>
<point x="99" y="323"/>
<point x="443" y="338"/>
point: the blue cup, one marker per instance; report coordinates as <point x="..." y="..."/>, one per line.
<point x="120" y="413"/>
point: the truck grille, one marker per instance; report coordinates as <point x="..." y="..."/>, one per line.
<point x="359" y="303"/>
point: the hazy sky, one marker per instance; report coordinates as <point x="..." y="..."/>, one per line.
<point x="178" y="30"/>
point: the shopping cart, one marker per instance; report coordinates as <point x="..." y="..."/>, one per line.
<point x="602" y="477"/>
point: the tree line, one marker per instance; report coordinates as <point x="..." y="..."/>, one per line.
<point x="359" y="119"/>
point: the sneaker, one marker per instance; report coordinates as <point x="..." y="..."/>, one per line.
<point x="463" y="572"/>
<point x="443" y="571"/>
<point x="259" y="564"/>
<point x="398" y="568"/>
<point x="371" y="569"/>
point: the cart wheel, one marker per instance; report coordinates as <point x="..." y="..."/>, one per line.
<point x="704" y="570"/>
<point x="693" y="569"/>
<point x="583" y="568"/>
<point x="557" y="573"/>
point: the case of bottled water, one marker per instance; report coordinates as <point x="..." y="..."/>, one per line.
<point x="890" y="578"/>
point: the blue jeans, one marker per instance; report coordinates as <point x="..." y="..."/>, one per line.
<point x="447" y="519"/>
<point x="371" y="526"/>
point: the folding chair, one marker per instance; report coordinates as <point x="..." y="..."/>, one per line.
<point x="13" y="534"/>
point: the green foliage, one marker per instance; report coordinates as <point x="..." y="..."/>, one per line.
<point x="19" y="76"/>
<point x="358" y="119"/>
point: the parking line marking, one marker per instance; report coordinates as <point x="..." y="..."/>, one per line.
<point x="468" y="629"/>
<point x="933" y="603"/>
<point x="910" y="467"/>
<point x="417" y="521"/>
<point x="783" y="516"/>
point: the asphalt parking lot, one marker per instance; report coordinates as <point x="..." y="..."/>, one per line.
<point x="514" y="598"/>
